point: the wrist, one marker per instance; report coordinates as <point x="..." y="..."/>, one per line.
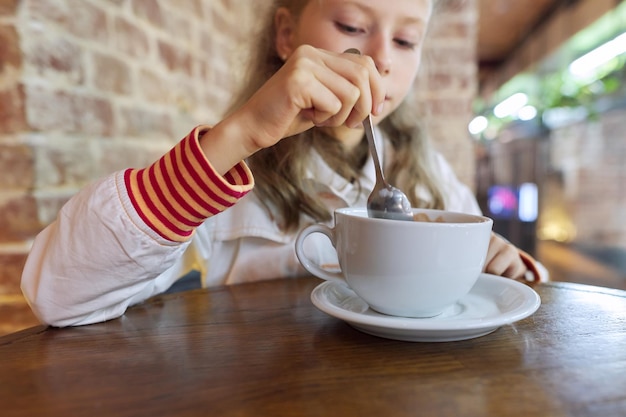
<point x="227" y="144"/>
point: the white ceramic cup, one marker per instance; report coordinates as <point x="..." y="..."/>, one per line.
<point x="403" y="268"/>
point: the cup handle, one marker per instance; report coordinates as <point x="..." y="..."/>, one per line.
<point x="307" y="263"/>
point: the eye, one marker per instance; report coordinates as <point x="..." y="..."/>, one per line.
<point x="348" y="29"/>
<point x="405" y="44"/>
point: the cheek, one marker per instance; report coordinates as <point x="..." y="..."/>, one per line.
<point x="400" y="83"/>
<point x="404" y="78"/>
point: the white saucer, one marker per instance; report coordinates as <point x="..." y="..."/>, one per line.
<point x="492" y="302"/>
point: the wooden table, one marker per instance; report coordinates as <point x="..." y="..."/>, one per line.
<point x="263" y="349"/>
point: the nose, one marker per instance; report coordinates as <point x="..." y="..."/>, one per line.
<point x="383" y="65"/>
<point x="380" y="50"/>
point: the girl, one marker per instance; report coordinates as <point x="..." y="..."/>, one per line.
<point x="131" y="235"/>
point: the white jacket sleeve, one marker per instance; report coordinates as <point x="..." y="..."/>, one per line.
<point x="96" y="259"/>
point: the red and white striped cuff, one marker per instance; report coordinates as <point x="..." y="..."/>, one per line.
<point x="181" y="190"/>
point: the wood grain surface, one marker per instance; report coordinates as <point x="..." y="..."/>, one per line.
<point x="263" y="349"/>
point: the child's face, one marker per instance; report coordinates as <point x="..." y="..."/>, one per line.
<point x="390" y="31"/>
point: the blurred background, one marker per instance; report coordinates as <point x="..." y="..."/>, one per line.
<point x="524" y="97"/>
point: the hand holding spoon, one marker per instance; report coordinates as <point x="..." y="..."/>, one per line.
<point x="385" y="201"/>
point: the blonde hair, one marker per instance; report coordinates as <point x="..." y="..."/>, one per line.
<point x="280" y="170"/>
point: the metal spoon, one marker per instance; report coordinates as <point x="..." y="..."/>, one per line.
<point x="385" y="201"/>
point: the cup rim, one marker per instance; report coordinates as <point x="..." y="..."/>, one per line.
<point x="473" y="219"/>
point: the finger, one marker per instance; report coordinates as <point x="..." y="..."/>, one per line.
<point x="375" y="81"/>
<point x="313" y="87"/>
<point x="516" y="271"/>
<point x="324" y="97"/>
<point x="338" y="94"/>
<point x="349" y="79"/>
<point x="506" y="267"/>
<point x="506" y="262"/>
<point x="361" y="110"/>
<point x="304" y="93"/>
<point x="351" y="99"/>
<point x="492" y="251"/>
<point x="353" y="79"/>
<point x="501" y="267"/>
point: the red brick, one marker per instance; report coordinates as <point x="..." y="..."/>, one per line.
<point x="8" y="7"/>
<point x="87" y="21"/>
<point x="224" y="80"/>
<point x="443" y="82"/>
<point x="129" y="38"/>
<point x="153" y="88"/>
<point x="56" y="55"/>
<point x="49" y="110"/>
<point x="149" y="10"/>
<point x="10" y="55"/>
<point x="448" y="106"/>
<point x="118" y="155"/>
<point x="16" y="316"/>
<point x="111" y="74"/>
<point x="18" y="219"/>
<point x="190" y="7"/>
<point x="449" y="59"/>
<point x="93" y="115"/>
<point x="175" y="58"/>
<point x="16" y="167"/>
<point x="77" y="16"/>
<point x="145" y="123"/>
<point x="67" y="112"/>
<point x="438" y="81"/>
<point x="68" y="163"/>
<point x="222" y="18"/>
<point x="48" y="11"/>
<point x="49" y="207"/>
<point x="12" y="110"/>
<point x="11" y="266"/>
<point x="178" y="27"/>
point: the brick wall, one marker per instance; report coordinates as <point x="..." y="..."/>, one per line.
<point x="92" y="86"/>
<point x="448" y="83"/>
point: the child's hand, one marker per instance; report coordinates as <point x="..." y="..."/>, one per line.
<point x="503" y="259"/>
<point x="314" y="87"/>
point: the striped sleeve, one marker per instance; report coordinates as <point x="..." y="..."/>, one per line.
<point x="177" y="193"/>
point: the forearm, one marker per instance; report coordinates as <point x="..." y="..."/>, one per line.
<point x="229" y="142"/>
<point x="95" y="260"/>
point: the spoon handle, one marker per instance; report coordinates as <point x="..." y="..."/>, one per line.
<point x="369" y="133"/>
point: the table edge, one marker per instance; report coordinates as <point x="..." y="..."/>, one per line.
<point x="570" y="286"/>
